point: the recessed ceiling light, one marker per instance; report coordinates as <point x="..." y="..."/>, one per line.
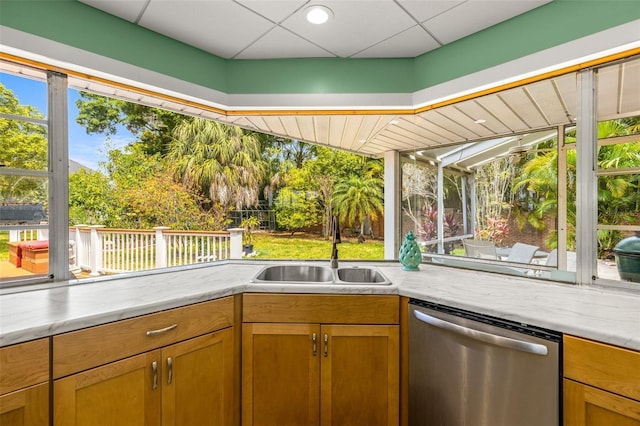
<point x="480" y="121"/>
<point x="394" y="122"/>
<point x="318" y="14"/>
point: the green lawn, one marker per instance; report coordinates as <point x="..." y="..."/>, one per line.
<point x="284" y="246"/>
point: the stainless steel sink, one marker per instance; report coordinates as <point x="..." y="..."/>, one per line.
<point x="295" y="273"/>
<point x="313" y="274"/>
<point x="361" y="275"/>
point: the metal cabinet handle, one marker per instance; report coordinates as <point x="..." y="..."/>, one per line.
<point x="314" y="339"/>
<point x="161" y="330"/>
<point x="154" y="368"/>
<point x="326" y="345"/>
<point x="170" y="369"/>
<point x="507" y="342"/>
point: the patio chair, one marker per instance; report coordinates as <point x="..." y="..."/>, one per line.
<point x="522" y="253"/>
<point x="552" y="259"/>
<point x="479" y="249"/>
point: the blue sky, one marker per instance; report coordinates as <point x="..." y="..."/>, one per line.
<point x="87" y="150"/>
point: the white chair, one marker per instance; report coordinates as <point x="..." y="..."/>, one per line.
<point x="522" y="253"/>
<point x="552" y="259"/>
<point x="479" y="249"/>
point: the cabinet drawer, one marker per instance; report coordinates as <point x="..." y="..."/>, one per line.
<point x="320" y="308"/>
<point x="23" y="365"/>
<point x="603" y="366"/>
<point x="79" y="350"/>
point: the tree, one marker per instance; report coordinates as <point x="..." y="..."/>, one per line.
<point x="224" y="162"/>
<point x="23" y="145"/>
<point x="494" y="197"/>
<point x="331" y="166"/>
<point x="90" y="198"/>
<point x="160" y="201"/>
<point x="358" y="198"/>
<point x="152" y="126"/>
<point x="296" y="204"/>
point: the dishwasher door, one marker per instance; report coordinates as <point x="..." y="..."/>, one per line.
<point x="471" y="370"/>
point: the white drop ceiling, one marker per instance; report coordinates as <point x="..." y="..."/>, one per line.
<point x="261" y="29"/>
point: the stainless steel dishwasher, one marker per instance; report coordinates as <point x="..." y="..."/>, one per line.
<point x="467" y="369"/>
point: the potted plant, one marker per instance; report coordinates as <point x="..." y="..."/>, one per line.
<point x="248" y="224"/>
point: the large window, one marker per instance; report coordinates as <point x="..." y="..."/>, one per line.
<point x="146" y="186"/>
<point x="518" y="204"/>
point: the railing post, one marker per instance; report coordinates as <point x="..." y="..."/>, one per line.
<point x="235" y="243"/>
<point x="161" y="247"/>
<point x="80" y="247"/>
<point x="95" y="251"/>
<point x="14" y="235"/>
<point x="43" y="234"/>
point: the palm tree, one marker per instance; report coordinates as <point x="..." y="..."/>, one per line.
<point x="357" y="199"/>
<point x="224" y="162"/>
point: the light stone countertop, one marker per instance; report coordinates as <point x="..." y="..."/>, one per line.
<point x="607" y="316"/>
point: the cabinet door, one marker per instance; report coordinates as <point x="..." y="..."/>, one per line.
<point x="197" y="386"/>
<point x="280" y="374"/>
<point x="588" y="406"/>
<point x="360" y="375"/>
<point x="123" y="393"/>
<point x="26" y="407"/>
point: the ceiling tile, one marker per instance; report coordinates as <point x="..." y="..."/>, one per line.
<point x="408" y="44"/>
<point x="281" y="43"/>
<point x="275" y="11"/>
<point x="206" y="25"/>
<point x="475" y="15"/>
<point x="423" y="10"/>
<point x="128" y="10"/>
<point x="345" y="34"/>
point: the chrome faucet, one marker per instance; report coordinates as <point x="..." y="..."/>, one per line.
<point x="336" y="240"/>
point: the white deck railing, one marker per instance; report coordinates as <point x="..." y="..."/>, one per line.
<point x="127" y="250"/>
<point x="101" y="250"/>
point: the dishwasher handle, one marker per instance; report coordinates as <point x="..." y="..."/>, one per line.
<point x="507" y="342"/>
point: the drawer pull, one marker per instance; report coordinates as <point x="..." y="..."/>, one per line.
<point x="326" y="345"/>
<point x="315" y="344"/>
<point x="154" y="367"/>
<point x="161" y="330"/>
<point x="170" y="367"/>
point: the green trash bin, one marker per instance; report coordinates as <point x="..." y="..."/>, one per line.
<point x="627" y="254"/>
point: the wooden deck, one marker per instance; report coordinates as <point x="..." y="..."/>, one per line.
<point x="8" y="271"/>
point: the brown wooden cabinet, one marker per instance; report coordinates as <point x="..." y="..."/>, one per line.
<point x="24" y="384"/>
<point x="180" y="382"/>
<point x="601" y="384"/>
<point x="322" y="373"/>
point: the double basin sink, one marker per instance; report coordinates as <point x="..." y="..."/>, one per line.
<point x="313" y="274"/>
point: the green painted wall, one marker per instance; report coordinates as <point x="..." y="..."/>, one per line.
<point x="322" y="75"/>
<point x="78" y="25"/>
